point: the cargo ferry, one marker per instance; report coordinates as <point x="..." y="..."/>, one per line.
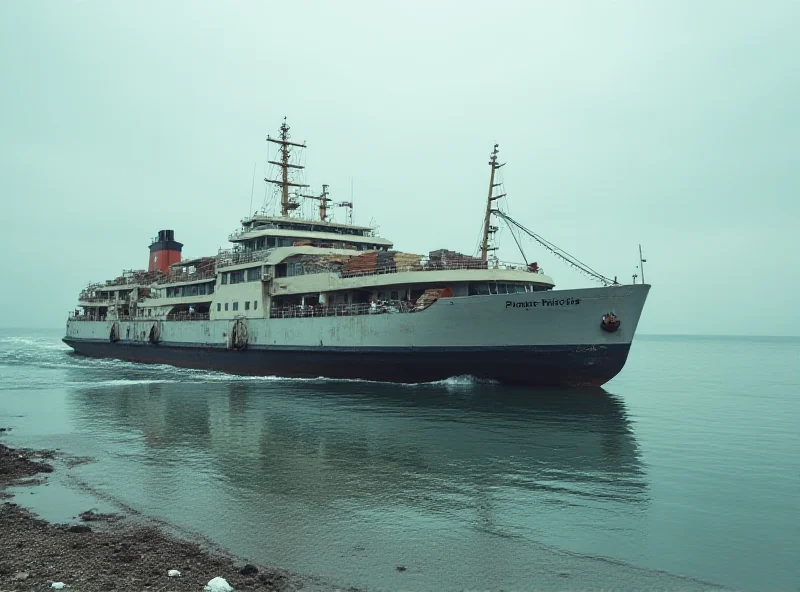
<point x="311" y="297"/>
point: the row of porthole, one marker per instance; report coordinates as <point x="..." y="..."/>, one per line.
<point x="236" y="305"/>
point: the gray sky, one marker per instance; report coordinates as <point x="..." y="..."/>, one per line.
<point x="674" y="124"/>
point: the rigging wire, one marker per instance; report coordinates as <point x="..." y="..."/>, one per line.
<point x="557" y="251"/>
<point x="511" y="228"/>
<point x="519" y="246"/>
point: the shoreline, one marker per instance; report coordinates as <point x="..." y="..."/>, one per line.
<point x="109" y="551"/>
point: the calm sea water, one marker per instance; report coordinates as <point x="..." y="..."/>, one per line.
<point x="683" y="473"/>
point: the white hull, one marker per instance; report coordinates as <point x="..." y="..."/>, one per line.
<point x="557" y="331"/>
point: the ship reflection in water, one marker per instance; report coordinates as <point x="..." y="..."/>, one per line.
<point x="465" y="484"/>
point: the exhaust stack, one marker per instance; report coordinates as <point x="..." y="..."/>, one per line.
<point x="164" y="251"/>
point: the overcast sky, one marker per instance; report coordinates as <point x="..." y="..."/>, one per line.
<point x="675" y="124"/>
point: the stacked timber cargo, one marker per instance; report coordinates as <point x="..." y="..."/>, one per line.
<point x="362" y="265"/>
<point x="407" y="262"/>
<point x="385" y="262"/>
<point x="323" y="263"/>
<point x="446" y="259"/>
<point x="381" y="262"/>
<point x="430" y="296"/>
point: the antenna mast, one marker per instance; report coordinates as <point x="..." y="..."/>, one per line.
<point x="287" y="205"/>
<point x="323" y="202"/>
<point x="349" y="206"/>
<point x="487" y="227"/>
<point x="252" y="189"/>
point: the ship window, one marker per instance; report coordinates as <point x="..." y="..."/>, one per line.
<point x="255" y="304"/>
<point x="224" y="278"/>
<point x="235" y="306"/>
<point x="226" y="306"/>
<point x="492" y="288"/>
<point x="254" y="274"/>
<point x="247" y="305"/>
<point x="394" y="296"/>
<point x="237" y="277"/>
<point x="478" y="289"/>
<point x="219" y="306"/>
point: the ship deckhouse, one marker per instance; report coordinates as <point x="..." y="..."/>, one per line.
<point x="288" y="266"/>
<point x="265" y="232"/>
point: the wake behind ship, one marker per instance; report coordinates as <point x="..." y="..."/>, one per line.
<point x="297" y="297"/>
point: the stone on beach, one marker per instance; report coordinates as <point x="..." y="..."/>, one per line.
<point x="218" y="584"/>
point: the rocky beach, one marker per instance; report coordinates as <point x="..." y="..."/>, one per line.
<point x="101" y="552"/>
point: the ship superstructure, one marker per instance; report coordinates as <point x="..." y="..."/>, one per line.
<point x="302" y="297"/>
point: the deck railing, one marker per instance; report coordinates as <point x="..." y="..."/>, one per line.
<point x="195" y="316"/>
<point x="228" y="257"/>
<point x="176" y="277"/>
<point x="340" y="310"/>
<point x="427" y="264"/>
<point x="188" y="316"/>
<point x="84" y="297"/>
<point x="74" y="317"/>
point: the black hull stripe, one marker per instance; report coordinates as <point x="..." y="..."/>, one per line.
<point x="561" y="365"/>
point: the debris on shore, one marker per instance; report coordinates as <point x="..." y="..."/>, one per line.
<point x="92" y="516"/>
<point x="35" y="554"/>
<point x="21" y="464"/>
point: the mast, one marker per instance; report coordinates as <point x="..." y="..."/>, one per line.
<point x="323" y="202"/>
<point x="487" y="227"/>
<point x="642" y="261"/>
<point x="285" y="150"/>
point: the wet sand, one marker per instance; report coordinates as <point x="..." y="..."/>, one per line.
<point x="106" y="552"/>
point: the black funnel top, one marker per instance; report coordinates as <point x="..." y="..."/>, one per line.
<point x="166" y="241"/>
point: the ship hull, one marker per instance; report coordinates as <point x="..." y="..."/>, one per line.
<point x="547" y="338"/>
<point x="573" y="365"/>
